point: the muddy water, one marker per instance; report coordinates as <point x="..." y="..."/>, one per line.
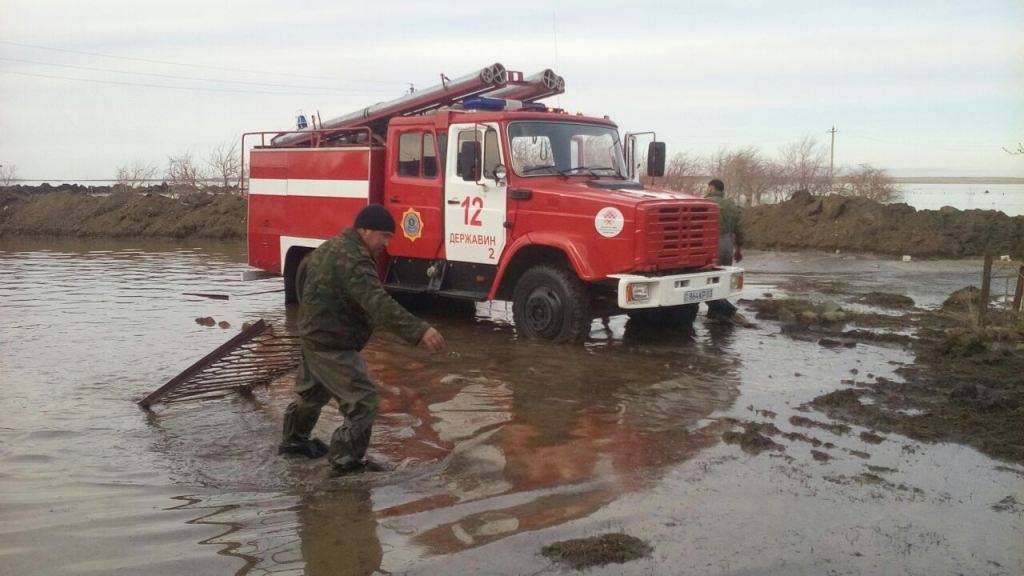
<point x="502" y="446"/>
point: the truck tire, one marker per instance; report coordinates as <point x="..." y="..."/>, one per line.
<point x="666" y="316"/>
<point x="551" y="303"/>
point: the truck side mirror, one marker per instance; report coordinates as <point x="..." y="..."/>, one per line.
<point x="656" y="159"/>
<point x="469" y="161"/>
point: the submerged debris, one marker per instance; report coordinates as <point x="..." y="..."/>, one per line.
<point x="597" y="550"/>
<point x="885" y="300"/>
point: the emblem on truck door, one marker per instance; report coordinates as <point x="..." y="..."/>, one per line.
<point x="609" y="222"/>
<point x="412" y="225"/>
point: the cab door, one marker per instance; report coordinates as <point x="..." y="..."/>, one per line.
<point x="475" y="212"/>
<point x="414" y="193"/>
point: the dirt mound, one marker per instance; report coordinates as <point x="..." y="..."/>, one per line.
<point x="885" y="300"/>
<point x="597" y="551"/>
<point x="858" y="224"/>
<point x="153" y="212"/>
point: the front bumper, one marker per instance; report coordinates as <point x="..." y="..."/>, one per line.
<point x="678" y="289"/>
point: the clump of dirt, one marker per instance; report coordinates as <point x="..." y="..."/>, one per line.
<point x="1008" y="504"/>
<point x="820" y="456"/>
<point x="753" y="439"/>
<point x="858" y="224"/>
<point x="885" y="300"/>
<point x="600" y="550"/>
<point x="837" y="429"/>
<point x="963" y="300"/>
<point x="157" y="211"/>
<point x="799" y="311"/>
<point x="871" y="438"/>
<point x="206" y="321"/>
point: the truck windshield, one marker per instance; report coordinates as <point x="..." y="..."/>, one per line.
<point x="546" y="148"/>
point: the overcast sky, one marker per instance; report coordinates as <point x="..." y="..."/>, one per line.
<point x="918" y="87"/>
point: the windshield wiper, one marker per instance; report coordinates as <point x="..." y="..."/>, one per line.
<point x="529" y="169"/>
<point x="568" y="171"/>
<point x="590" y="170"/>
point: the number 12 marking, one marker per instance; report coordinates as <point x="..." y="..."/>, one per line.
<point x="476" y="202"/>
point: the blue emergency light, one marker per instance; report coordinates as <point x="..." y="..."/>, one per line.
<point x="498" y="104"/>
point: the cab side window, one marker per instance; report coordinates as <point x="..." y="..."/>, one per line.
<point x="491" y="156"/>
<point x="429" y="156"/>
<point x="464" y="136"/>
<point x="409" y="154"/>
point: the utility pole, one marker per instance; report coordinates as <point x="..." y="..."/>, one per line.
<point x="831" y="157"/>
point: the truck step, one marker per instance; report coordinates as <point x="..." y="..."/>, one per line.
<point x="463" y="294"/>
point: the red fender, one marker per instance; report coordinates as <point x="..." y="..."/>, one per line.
<point x="576" y="254"/>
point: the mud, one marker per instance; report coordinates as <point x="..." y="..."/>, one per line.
<point x="154" y="212"/>
<point x="601" y="550"/>
<point x="966" y="386"/>
<point x="857" y="224"/>
<point x="752" y="439"/>
<point x="885" y="300"/>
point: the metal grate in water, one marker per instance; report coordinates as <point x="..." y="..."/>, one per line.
<point x="254" y="357"/>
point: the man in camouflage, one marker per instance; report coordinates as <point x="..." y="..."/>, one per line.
<point x="342" y="300"/>
<point x="730" y="244"/>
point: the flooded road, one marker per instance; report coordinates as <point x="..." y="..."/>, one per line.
<point x="502" y="446"/>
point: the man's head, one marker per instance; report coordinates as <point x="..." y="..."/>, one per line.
<point x="375" y="226"/>
<point x="716" y="189"/>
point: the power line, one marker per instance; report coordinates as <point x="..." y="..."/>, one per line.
<point x="140" y="84"/>
<point x="192" y="78"/>
<point x="171" y="63"/>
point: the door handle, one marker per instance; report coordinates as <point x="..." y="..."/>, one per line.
<point x="395" y="199"/>
<point x="453" y="202"/>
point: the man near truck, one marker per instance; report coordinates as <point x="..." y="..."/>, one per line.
<point x="341" y="301"/>
<point x="730" y="244"/>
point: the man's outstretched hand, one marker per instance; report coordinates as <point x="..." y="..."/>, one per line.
<point x="432" y="340"/>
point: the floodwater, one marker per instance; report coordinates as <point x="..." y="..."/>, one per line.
<point x="1007" y="198"/>
<point x="502" y="446"/>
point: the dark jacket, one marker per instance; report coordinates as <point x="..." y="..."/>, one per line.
<point x="343" y="299"/>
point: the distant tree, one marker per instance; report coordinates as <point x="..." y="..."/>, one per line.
<point x="135" y="174"/>
<point x="748" y="176"/>
<point x="225" y="163"/>
<point x="803" y="168"/>
<point x="8" y="174"/>
<point x="683" y="173"/>
<point x="866" y="181"/>
<point x="183" y="171"/>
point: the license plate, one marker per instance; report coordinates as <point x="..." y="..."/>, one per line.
<point x="691" y="296"/>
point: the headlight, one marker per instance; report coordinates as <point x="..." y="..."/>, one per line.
<point x="638" y="292"/>
<point x="736" y="283"/>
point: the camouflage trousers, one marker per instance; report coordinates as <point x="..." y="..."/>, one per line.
<point x="339" y="374"/>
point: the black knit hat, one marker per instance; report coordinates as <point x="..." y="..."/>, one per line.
<point x="375" y="217"/>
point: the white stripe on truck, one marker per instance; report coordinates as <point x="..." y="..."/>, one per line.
<point x="318" y="188"/>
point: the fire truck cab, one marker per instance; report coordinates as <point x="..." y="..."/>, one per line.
<point x="495" y="199"/>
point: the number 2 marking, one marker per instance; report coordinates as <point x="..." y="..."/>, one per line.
<point x="490" y="253"/>
<point x="478" y="203"/>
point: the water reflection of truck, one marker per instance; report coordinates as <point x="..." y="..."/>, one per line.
<point x="497" y="196"/>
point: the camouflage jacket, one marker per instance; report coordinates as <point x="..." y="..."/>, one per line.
<point x="343" y="299"/>
<point x="729" y="219"/>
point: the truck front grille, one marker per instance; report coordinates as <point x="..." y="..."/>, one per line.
<point x="683" y="235"/>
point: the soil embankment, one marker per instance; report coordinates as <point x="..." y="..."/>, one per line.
<point x="861" y="225"/>
<point x="803" y="222"/>
<point x="154" y="212"/>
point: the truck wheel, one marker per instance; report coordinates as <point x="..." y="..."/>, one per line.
<point x="550" y="303"/>
<point x="666" y="316"/>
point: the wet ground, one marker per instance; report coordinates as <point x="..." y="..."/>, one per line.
<point x="503" y="447"/>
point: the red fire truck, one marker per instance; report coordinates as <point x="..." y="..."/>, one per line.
<point x="496" y="196"/>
